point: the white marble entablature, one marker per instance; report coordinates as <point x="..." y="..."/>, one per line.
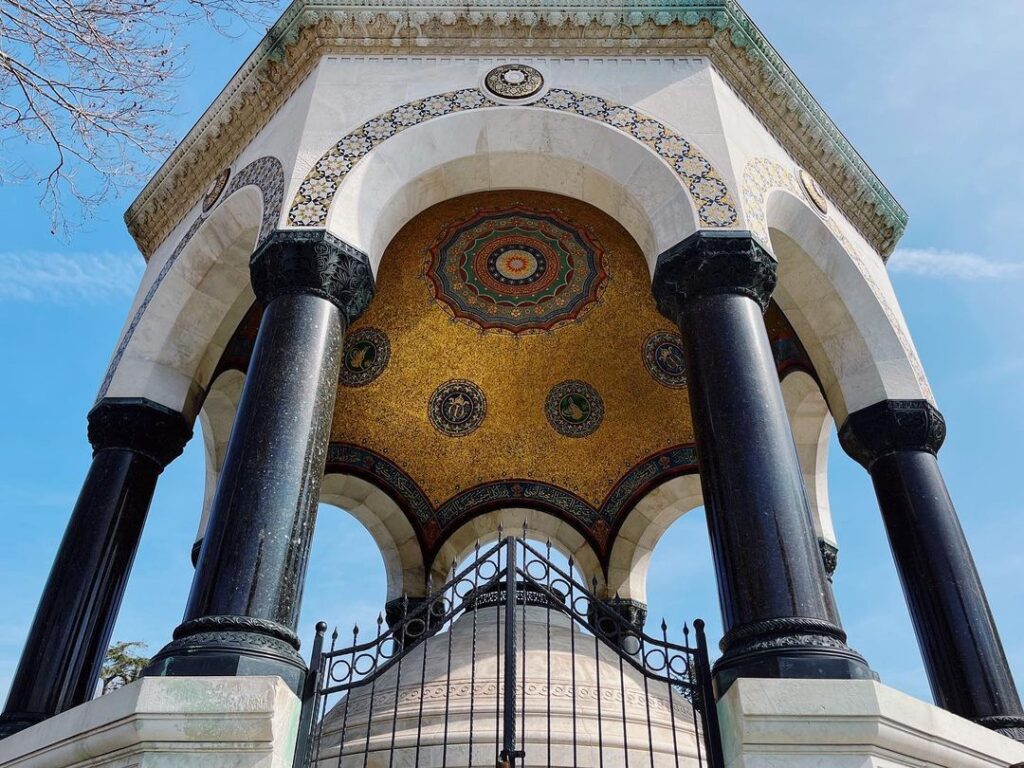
<point x="718" y="30"/>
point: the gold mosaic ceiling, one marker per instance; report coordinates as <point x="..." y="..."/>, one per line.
<point x="513" y="356"/>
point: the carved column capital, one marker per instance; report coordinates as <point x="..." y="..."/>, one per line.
<point x="890" y="426"/>
<point x="709" y="263"/>
<point x="312" y="262"/>
<point x="140" y="425"/>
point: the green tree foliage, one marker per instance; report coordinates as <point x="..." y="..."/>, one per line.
<point x="122" y="665"/>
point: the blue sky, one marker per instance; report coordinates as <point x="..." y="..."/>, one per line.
<point x="927" y="92"/>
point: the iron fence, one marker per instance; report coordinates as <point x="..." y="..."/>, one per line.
<point x="457" y="679"/>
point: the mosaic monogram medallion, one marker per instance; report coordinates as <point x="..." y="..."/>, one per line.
<point x="664" y="359"/>
<point x="814" y="191"/>
<point x="574" y="409"/>
<point x="516" y="270"/>
<point x="514" y="81"/>
<point x="366" y="355"/>
<point x="214" y="192"/>
<point x="457" y="408"/>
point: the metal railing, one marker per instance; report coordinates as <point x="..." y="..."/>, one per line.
<point x="662" y="686"/>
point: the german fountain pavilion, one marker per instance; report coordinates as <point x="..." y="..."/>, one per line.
<point x="451" y="267"/>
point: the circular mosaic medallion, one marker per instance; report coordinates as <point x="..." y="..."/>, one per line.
<point x="216" y="189"/>
<point x="514" y="81"/>
<point x="574" y="409"/>
<point x="366" y="355"/>
<point x="814" y="191"/>
<point x="664" y="358"/>
<point x="516" y="270"/>
<point x="457" y="407"/>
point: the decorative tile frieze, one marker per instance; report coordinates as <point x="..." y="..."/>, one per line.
<point x="716" y="29"/>
<point x="711" y="197"/>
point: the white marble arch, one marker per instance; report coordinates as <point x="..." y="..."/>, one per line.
<point x="541" y="526"/>
<point x="511" y="148"/>
<point x="217" y="417"/>
<point x="643" y="528"/>
<point x="389" y="527"/>
<point x="844" y="311"/>
<point x="812" y="426"/>
<point x="181" y="335"/>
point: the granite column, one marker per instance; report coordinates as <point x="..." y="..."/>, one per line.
<point x="133" y="440"/>
<point x="897" y="442"/>
<point x="777" y="605"/>
<point x="244" y="605"/>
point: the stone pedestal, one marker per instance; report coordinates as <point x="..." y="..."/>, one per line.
<point x="849" y="724"/>
<point x="213" y="722"/>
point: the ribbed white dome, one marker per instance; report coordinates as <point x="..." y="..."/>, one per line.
<point x="544" y="629"/>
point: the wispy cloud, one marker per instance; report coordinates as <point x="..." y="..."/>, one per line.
<point x="42" y="276"/>
<point x="956" y="265"/>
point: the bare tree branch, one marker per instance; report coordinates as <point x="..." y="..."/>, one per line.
<point x="86" y="87"/>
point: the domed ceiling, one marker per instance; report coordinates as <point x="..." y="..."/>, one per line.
<point x="513" y="356"/>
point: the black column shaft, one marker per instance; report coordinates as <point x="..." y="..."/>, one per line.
<point x="243" y="609"/>
<point x="777" y="606"/>
<point x="70" y="633"/>
<point x="963" y="655"/>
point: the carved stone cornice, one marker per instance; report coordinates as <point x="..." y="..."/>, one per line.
<point x="709" y="263"/>
<point x="312" y="262"/>
<point x="139" y="425"/>
<point x="718" y="30"/>
<point x="890" y="426"/>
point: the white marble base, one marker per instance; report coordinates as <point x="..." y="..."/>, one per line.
<point x="850" y="724"/>
<point x="159" y="722"/>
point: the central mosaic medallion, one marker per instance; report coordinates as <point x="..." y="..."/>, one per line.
<point x="516" y="270"/>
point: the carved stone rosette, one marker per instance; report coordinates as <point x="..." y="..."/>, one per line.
<point x="312" y="262"/>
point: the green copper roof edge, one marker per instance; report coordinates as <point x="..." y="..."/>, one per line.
<point x="721" y="14"/>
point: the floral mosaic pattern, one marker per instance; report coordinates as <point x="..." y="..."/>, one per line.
<point x="457" y="408"/>
<point x="665" y="360"/>
<point x="712" y="199"/>
<point x="516" y="270"/>
<point x="574" y="409"/>
<point x="267" y="174"/>
<point x="366" y="355"/>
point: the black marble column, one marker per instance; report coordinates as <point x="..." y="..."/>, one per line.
<point x="244" y="605"/>
<point x="777" y="604"/>
<point x="897" y="442"/>
<point x="133" y="440"/>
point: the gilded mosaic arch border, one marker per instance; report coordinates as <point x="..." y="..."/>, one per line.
<point x="266" y="174"/>
<point x="711" y="197"/>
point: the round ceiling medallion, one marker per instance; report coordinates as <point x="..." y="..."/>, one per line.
<point x="814" y="191"/>
<point x="514" y="81"/>
<point x="664" y="359"/>
<point x="574" y="409"/>
<point x="457" y="408"/>
<point x="216" y="189"/>
<point x="366" y="355"/>
<point x="516" y="270"/>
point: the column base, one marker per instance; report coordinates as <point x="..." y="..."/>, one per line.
<point x="231" y="646"/>
<point x="159" y="723"/>
<point x="794" y="648"/>
<point x="12" y="722"/>
<point x="849" y="724"/>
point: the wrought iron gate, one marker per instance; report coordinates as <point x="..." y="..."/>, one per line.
<point x="506" y="579"/>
